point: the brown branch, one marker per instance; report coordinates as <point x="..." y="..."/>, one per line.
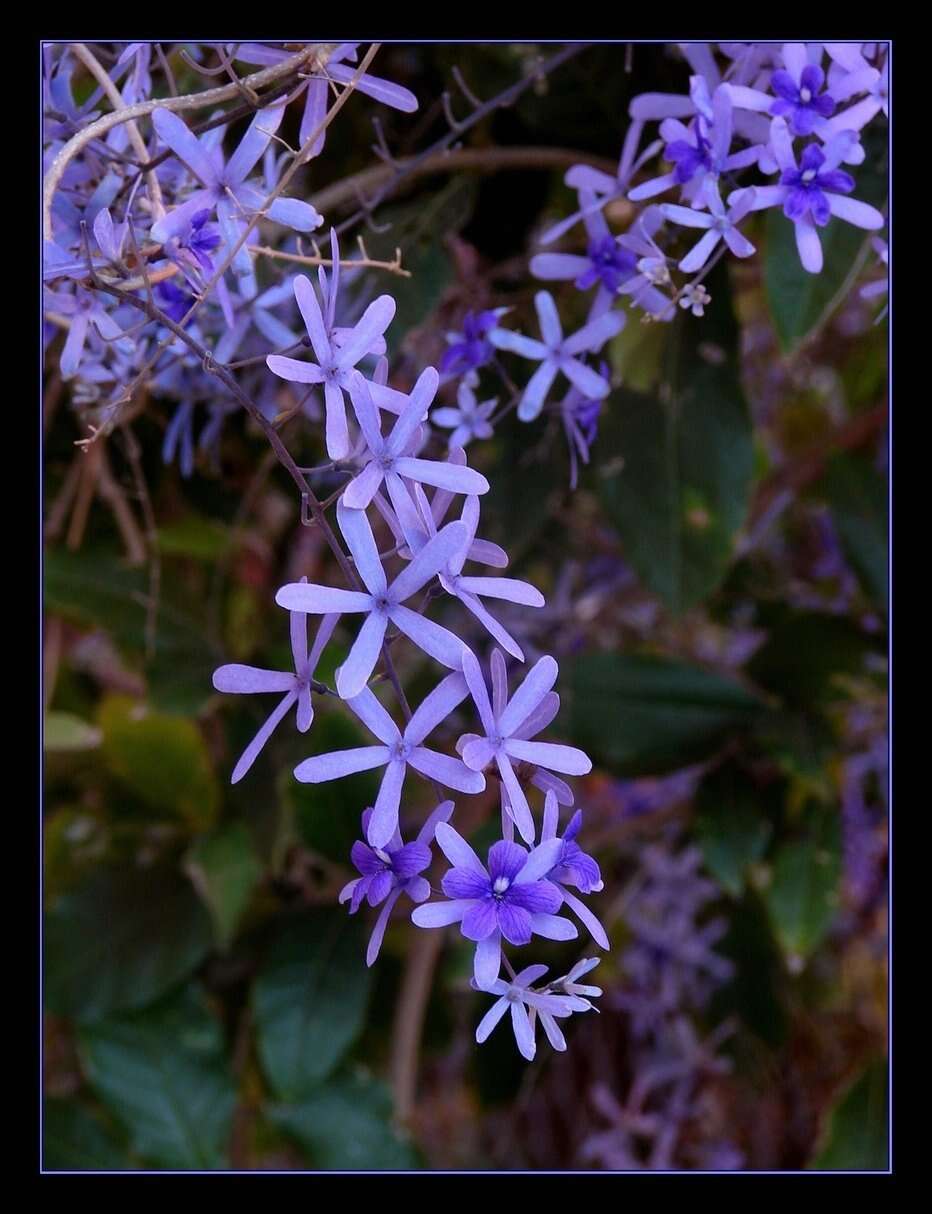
<point x="409" y="1018"/>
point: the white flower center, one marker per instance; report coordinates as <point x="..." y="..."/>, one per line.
<point x="809" y="175"/>
<point x="805" y="96"/>
<point x="500" y="885"/>
<point x="383" y="856"/>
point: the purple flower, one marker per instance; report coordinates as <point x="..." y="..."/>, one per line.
<point x="176" y="303"/>
<point x="389" y="872"/>
<point x="224" y="189"/>
<point x="85" y="309"/>
<point x="471" y="349"/>
<point x="799" y="96"/>
<point x="335" y="362"/>
<point x="607" y="263"/>
<point x="509" y="898"/>
<point x="469" y="419"/>
<point x="246" y="680"/>
<point x="386" y="459"/>
<point x="508" y="726"/>
<point x="201" y="240"/>
<point x="526" y="1004"/>
<point x="397" y="751"/>
<point x="382" y="603"/>
<point x="812" y="193"/>
<point x="573" y="867"/>
<point x="581" y="424"/>
<point x="558" y="354"/>
<point x="718" y="223"/>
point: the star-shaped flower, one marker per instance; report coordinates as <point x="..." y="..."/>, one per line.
<point x="526" y="1004"/>
<point x="241" y="680"/>
<point x="390" y="871"/>
<point x="469" y="419"/>
<point x="509" y="898"/>
<point x="396" y="753"/>
<point x="336" y="360"/>
<point x="509" y="725"/>
<point x="382" y="603"/>
<point x="557" y="354"/>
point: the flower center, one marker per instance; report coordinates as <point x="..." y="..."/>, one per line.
<point x="401" y="750"/>
<point x="805" y="96"/>
<point x="383" y="856"/>
<point x="500" y="885"/>
<point x="382" y="603"/>
<point x="808" y="176"/>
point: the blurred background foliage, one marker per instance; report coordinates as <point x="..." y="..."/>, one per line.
<point x="717" y="600"/>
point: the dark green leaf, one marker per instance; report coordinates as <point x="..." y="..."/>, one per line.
<point x="164" y="1075"/>
<point x="857" y="494"/>
<point x="310" y="1000"/>
<point x="74" y="1139"/>
<point x="120" y="940"/>
<point x="161" y="759"/>
<point x="732" y="826"/>
<point x="675" y="468"/>
<point x="225" y="870"/>
<point x="802" y="896"/>
<point x="805" y="653"/>
<point x="800" y="302"/>
<point x="856" y="1134"/>
<point x="645" y="715"/>
<point x="346" y="1124"/>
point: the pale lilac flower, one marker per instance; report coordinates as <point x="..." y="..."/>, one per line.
<point x="700" y="152"/>
<point x="318" y="85"/>
<point x="85" y="308"/>
<point x="573" y="867"/>
<point x="518" y="995"/>
<point x="389" y="872"/>
<point x="607" y="263"/>
<point x="469" y="419"/>
<point x="810" y="193"/>
<point x="558" y="354"/>
<point x="238" y="679"/>
<point x="224" y="188"/>
<point x="508" y="726"/>
<point x="508" y="899"/>
<point x="719" y="224"/>
<point x="568" y="984"/>
<point x="335" y="362"/>
<point x="387" y="459"/>
<point x="857" y="116"/>
<point x="396" y="753"/>
<point x="580" y="423"/>
<point x="470" y="590"/>
<point x="110" y="237"/>
<point x="694" y="299"/>
<point x="382" y="603"/>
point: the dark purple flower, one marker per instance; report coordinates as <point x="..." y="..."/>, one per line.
<point x="806" y="185"/>
<point x="689" y="157"/>
<point x="609" y="264"/>
<point x="471" y="349"/>
<point x="177" y="303"/>
<point x="801" y="103"/>
<point x="201" y="240"/>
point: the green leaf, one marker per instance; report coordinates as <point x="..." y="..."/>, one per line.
<point x="63" y="731"/>
<point x="804" y="654"/>
<point x="225" y="870"/>
<point x="346" y="1124"/>
<point x="732" y="827"/>
<point x="310" y="1000"/>
<point x="802" y="896"/>
<point x="193" y="536"/>
<point x="161" y="759"/>
<point x="675" y="467"/>
<point x="120" y="940"/>
<point x="857" y="495"/>
<point x="801" y="302"/>
<point x="856" y="1133"/>
<point x="164" y="1075"/>
<point x="645" y="715"/>
<point x="75" y="1140"/>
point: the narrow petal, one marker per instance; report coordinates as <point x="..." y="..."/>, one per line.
<point x="566" y="759"/>
<point x="384" y="818"/>
<point x="363" y="488"/>
<point x="487" y="962"/>
<point x="699" y="254"/>
<point x="541" y="860"/>
<point x="440" y="914"/>
<point x="478" y="753"/>
<point x="550" y="327"/>
<point x="434" y="556"/>
<point x="432" y="638"/>
<point x="535" y="685"/>
<point x="295" y="214"/>
<point x="808" y="246"/>
<point x="436" y="707"/>
<point x="450" y="772"/>
<point x="254" y="143"/>
<point x="536" y="391"/>
<point x="592" y="385"/>
<point x="354" y="673"/>
<point x="444" y="476"/>
<point x="524" y="1034"/>
<point x="293" y="370"/>
<point x="520" y="810"/>
<point x="337" y="433"/>
<point x="366" y="413"/>
<point x="558" y="266"/>
<point x="248" y="757"/>
<point x="553" y="927"/>
<point x="175" y="134"/>
<point x="517" y="343"/>
<point x="357" y="532"/>
<point x="491" y="1019"/>
<point x="506" y="588"/>
<point x="472" y="672"/>
<point x="371" y="325"/>
<point x="321" y="600"/>
<point x="378" y="931"/>
<point x="339" y="763"/>
<point x="852" y="211"/>
<point x="248" y="679"/>
<point x="458" y="851"/>
<point x="313" y="318"/>
<point x="587" y="918"/>
<point x="440" y="815"/>
<point x="370" y="711"/>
